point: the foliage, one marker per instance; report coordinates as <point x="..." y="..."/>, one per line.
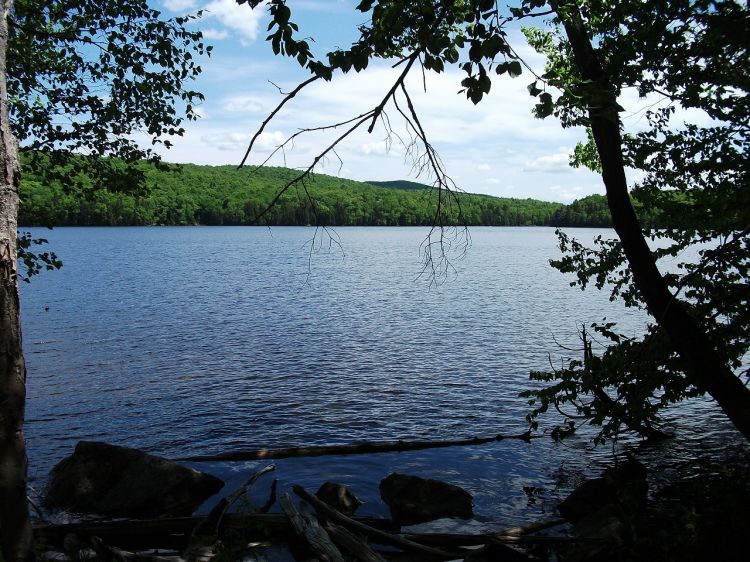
<point x="84" y="77"/>
<point x="35" y="262"/>
<point x="695" y="178"/>
<point x="588" y="211"/>
<point x="191" y="194"/>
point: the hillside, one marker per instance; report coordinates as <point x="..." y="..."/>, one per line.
<point x="400" y="184"/>
<point x="221" y="195"/>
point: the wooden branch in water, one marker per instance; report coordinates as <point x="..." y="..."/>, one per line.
<point x="375" y="535"/>
<point x="307" y="527"/>
<point x="364" y="447"/>
<point x="353" y="543"/>
<point x="271" y="498"/>
<point x="530" y="528"/>
<point x="510" y="535"/>
<point x="207" y="531"/>
<point x="107" y="553"/>
<point x="138" y="534"/>
<point x="210" y="525"/>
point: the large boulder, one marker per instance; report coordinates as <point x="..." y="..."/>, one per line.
<point x="339" y="497"/>
<point x="412" y="499"/>
<point x="624" y="485"/>
<point x="119" y="481"/>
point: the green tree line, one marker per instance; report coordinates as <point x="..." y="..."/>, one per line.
<point x="222" y="195"/>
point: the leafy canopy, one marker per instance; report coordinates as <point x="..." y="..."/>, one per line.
<point x="690" y="55"/>
<point x="85" y="77"/>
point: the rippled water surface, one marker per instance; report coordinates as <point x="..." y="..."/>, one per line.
<point x="196" y="340"/>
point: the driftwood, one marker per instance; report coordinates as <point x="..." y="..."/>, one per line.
<point x="364" y="447"/>
<point x="510" y="535"/>
<point x="374" y="534"/>
<point x="133" y="534"/>
<point x="352" y="543"/>
<point x="210" y="525"/>
<point x="529" y="528"/>
<point x="207" y="531"/>
<point x="107" y="553"/>
<point x="307" y="527"/>
<point x="271" y="498"/>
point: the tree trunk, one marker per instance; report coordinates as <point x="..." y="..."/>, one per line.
<point x="704" y="365"/>
<point x="15" y="528"/>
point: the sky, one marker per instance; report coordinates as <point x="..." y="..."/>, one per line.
<point x="497" y="147"/>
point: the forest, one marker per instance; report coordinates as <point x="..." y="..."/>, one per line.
<point x="189" y="194"/>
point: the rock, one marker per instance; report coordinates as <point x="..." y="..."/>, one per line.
<point x="412" y="499"/>
<point x="624" y="484"/>
<point x="607" y="537"/>
<point x="339" y="497"/>
<point x="119" y="481"/>
<point x="589" y="497"/>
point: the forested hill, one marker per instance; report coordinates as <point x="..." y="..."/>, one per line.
<point x="216" y="195"/>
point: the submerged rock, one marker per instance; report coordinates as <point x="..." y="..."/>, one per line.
<point x="624" y="485"/>
<point x="603" y="512"/>
<point x="119" y="481"/>
<point x="412" y="499"/>
<point x="339" y="497"/>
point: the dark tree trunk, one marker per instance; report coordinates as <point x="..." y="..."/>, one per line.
<point x="706" y="368"/>
<point x="15" y="528"/>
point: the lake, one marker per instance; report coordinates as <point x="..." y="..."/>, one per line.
<point x="197" y="340"/>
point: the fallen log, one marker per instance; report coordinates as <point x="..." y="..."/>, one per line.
<point x="375" y="535"/>
<point x="140" y="534"/>
<point x="352" y="543"/>
<point x="364" y="447"/>
<point x="529" y="528"/>
<point x="308" y="528"/>
<point x="519" y="534"/>
<point x="107" y="553"/>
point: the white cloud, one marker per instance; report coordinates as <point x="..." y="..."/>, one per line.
<point x="270" y="140"/>
<point x="235" y="17"/>
<point x="551" y="164"/>
<point x="227" y="141"/>
<point x="494" y="181"/>
<point x="180" y="5"/>
<point x="568" y="194"/>
<point x="242" y="104"/>
<point x="484" y="167"/>
<point x="237" y="142"/>
<point x="215" y="34"/>
<point x="379" y="148"/>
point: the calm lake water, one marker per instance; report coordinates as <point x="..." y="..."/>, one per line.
<point x="197" y="340"/>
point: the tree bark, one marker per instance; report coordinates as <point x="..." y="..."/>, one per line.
<point x="15" y="527"/>
<point x="703" y="363"/>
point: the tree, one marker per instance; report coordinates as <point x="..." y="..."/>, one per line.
<point x="696" y="175"/>
<point x="700" y="330"/>
<point x="74" y="77"/>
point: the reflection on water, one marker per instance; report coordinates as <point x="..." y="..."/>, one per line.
<point x="186" y="341"/>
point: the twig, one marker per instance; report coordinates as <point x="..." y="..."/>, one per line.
<point x="271" y="498"/>
<point x="217" y="513"/>
<point x="288" y="97"/>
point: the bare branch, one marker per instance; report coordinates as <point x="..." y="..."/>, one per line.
<point x="289" y="96"/>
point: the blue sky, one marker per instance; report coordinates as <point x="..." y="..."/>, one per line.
<point x="496" y="148"/>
